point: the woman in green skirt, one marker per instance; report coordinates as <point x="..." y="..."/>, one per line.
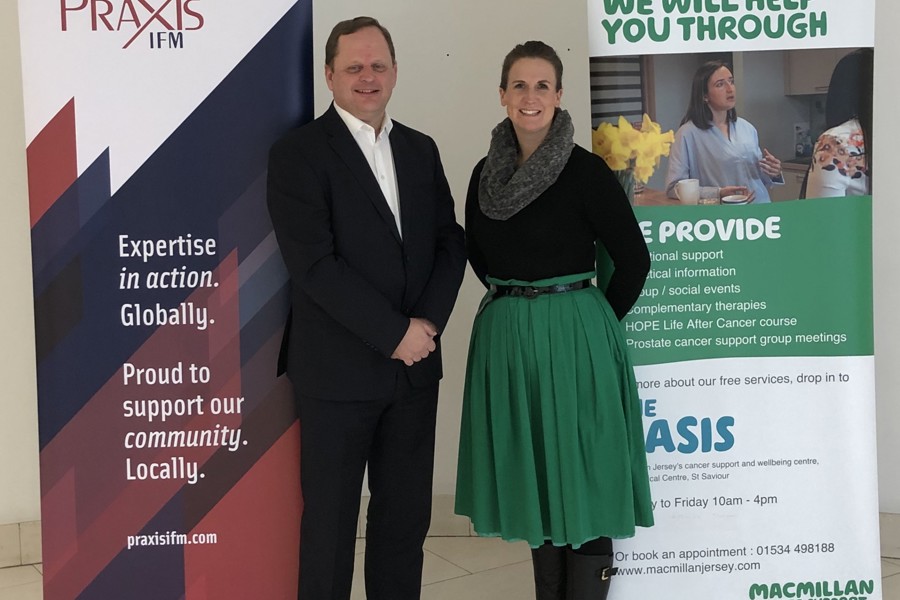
<point x="551" y="446"/>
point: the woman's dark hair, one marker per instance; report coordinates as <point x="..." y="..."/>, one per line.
<point x="352" y="26"/>
<point x="698" y="111"/>
<point x="531" y="49"/>
<point x="850" y="96"/>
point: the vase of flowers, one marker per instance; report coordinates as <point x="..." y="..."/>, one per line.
<point x="633" y="153"/>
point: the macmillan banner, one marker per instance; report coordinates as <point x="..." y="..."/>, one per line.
<point x="753" y="338"/>
<point x="753" y="341"/>
<point x="169" y="451"/>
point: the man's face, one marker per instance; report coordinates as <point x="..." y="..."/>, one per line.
<point x="363" y="75"/>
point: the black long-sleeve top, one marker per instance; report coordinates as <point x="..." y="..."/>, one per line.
<point x="556" y="234"/>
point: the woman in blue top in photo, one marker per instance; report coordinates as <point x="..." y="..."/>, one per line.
<point x="716" y="146"/>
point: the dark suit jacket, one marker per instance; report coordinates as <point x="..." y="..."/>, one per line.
<point x="354" y="282"/>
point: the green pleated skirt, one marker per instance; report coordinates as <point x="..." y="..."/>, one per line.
<point x="551" y="442"/>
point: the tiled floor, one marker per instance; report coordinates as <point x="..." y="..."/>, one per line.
<point x="21" y="583"/>
<point x="455" y="568"/>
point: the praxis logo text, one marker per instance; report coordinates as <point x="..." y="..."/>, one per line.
<point x="161" y="21"/>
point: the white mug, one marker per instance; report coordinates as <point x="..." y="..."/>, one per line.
<point x="688" y="191"/>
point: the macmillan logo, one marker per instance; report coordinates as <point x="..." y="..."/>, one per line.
<point x="852" y="589"/>
<point x="161" y="22"/>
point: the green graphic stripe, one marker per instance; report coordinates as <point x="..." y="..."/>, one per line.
<point x="802" y="287"/>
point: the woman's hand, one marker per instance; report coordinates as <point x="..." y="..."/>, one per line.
<point x="770" y="165"/>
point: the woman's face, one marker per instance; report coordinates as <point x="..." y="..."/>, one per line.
<point x="720" y="90"/>
<point x="530" y="96"/>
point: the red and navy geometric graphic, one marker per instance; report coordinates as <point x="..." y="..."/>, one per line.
<point x="207" y="180"/>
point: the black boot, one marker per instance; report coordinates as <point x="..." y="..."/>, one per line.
<point x="549" y="564"/>
<point x="589" y="576"/>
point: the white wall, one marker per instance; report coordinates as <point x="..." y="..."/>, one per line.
<point x="449" y="57"/>
<point x="886" y="182"/>
<point x="18" y="407"/>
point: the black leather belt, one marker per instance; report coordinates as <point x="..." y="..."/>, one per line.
<point x="531" y="291"/>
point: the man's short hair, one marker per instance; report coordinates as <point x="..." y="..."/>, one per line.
<point x="352" y="26"/>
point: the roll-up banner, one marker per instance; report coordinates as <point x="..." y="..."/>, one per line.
<point x="169" y="450"/>
<point x="753" y="336"/>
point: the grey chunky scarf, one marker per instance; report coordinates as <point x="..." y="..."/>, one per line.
<point x="504" y="190"/>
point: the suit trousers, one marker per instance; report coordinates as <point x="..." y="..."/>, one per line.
<point x="395" y="438"/>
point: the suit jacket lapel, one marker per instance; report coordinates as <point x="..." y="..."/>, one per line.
<point x="345" y="146"/>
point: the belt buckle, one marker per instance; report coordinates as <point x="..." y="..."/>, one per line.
<point x="530" y="292"/>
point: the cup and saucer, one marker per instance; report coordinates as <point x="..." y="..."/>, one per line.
<point x="735" y="199"/>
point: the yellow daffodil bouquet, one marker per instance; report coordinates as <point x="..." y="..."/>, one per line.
<point x="632" y="153"/>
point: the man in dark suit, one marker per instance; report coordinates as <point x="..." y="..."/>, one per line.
<point x="365" y="222"/>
